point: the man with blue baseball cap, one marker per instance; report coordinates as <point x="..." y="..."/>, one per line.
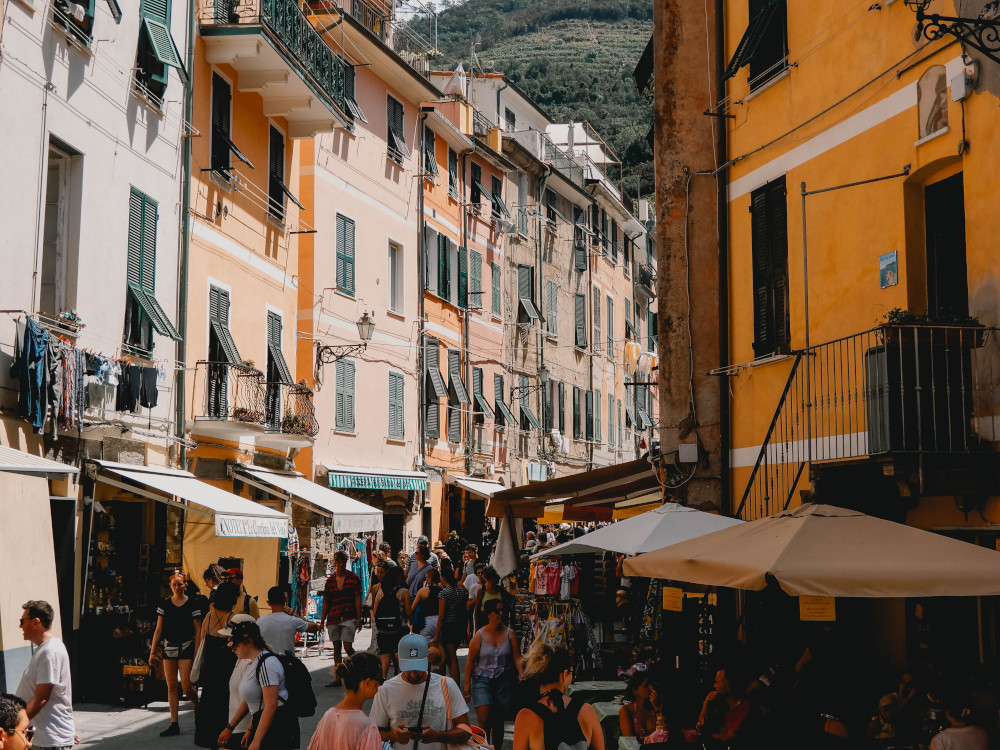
<point x="419" y="705"/>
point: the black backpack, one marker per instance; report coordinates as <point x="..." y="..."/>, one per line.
<point x="388" y="618"/>
<point x="298" y="683"/>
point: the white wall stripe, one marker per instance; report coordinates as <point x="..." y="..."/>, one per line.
<point x="221" y="241"/>
<point x="354" y="192"/>
<point x="440" y="330"/>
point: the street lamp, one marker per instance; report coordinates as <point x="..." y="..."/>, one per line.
<point x="524" y="390"/>
<point x="326" y="354"/>
<point x="981" y="33"/>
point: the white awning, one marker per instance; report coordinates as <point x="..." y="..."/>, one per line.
<point x="233" y="515"/>
<point x="480" y="487"/>
<point x="349" y="516"/>
<point x="21" y="462"/>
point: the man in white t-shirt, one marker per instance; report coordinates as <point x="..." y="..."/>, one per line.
<point x="280" y="626"/>
<point x="45" y="685"/>
<point x="396" y="708"/>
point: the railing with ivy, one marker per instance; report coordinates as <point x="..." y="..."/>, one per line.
<point x="290" y="410"/>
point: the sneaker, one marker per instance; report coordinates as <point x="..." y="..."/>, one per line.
<point x="172" y="730"/>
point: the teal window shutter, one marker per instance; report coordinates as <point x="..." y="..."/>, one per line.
<point x="480" y="405"/>
<point x="476" y="280"/>
<point x="552" y="307"/>
<point x="576" y="413"/>
<point x="345" y="255"/>
<point x="597" y="416"/>
<point x="596" y="304"/>
<point x="340" y="394"/>
<point x="580" y="318"/>
<point x="589" y="414"/>
<point x="397" y="415"/>
<point x="452" y="174"/>
<point x="141" y="272"/>
<point x="621" y="443"/>
<point x="611" y="420"/>
<point x="434" y="388"/>
<point x="348" y="394"/>
<point x="444" y="267"/>
<point x="454" y="396"/>
<point x="463" y="277"/>
<point x="430" y="259"/>
<point x="495" y="281"/>
<point x="611" y="333"/>
<point x="219" y="317"/>
<point x="562" y="407"/>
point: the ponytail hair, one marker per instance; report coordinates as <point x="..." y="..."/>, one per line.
<point x="546" y="663"/>
<point x="359" y="667"/>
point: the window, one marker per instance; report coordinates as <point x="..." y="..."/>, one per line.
<point x="526" y="311"/>
<point x="344" y="395"/>
<point x="614" y="241"/>
<point x="430" y="253"/>
<point x="561" y="397"/>
<point x="77" y="19"/>
<point x="156" y="50"/>
<point x="611" y="420"/>
<point x="277" y="374"/>
<point x="222" y="352"/>
<point x="222" y="144"/>
<point x="496" y="196"/>
<point x="397" y="415"/>
<point x="453" y="191"/>
<point x="503" y="412"/>
<point x="444" y="267"/>
<point x="395" y="289"/>
<point x="630" y="332"/>
<point x="764" y="46"/>
<point x="550" y="206"/>
<point x="476" y="189"/>
<point x="430" y="154"/>
<point x="579" y="239"/>
<point x="769" y="229"/>
<point x="345" y="255"/>
<point x="395" y="137"/>
<point x="59" y="246"/>
<point x="588" y="400"/>
<point x="434" y="388"/>
<point x="463" y="277"/>
<point x="495" y="281"/>
<point x="457" y="396"/>
<point x="350" y="98"/>
<point x="552" y="308"/>
<point x="651" y="330"/>
<point x="510" y="120"/>
<point x="481" y="408"/>
<point x="580" y="319"/>
<point x="277" y="190"/>
<point x="475" y="280"/>
<point x="528" y="418"/>
<point x="143" y="312"/>
<point x="611" y="333"/>
<point x="596" y="305"/>
<point x="576" y="413"/>
<point x="597" y="416"/>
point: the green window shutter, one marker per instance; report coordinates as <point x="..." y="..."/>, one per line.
<point x="495" y="281"/>
<point x="597" y="416"/>
<point x="526" y="294"/>
<point x="480" y="406"/>
<point x="277" y="367"/>
<point x="161" y="43"/>
<point x="396" y="412"/>
<point x="345" y="254"/>
<point x="475" y="193"/>
<point x="430" y="153"/>
<point x="463" y="277"/>
<point x="222" y="97"/>
<point x="579" y="241"/>
<point x="651" y="330"/>
<point x="614" y="240"/>
<point x="142" y="215"/>
<point x="340" y="397"/>
<point x="158" y="9"/>
<point x="476" y="281"/>
<point x="348" y="395"/>
<point x="576" y="413"/>
<point x="552" y="307"/>
<point x="395" y="135"/>
<point x="503" y="413"/>
<point x="547" y="405"/>
<point x="496" y="195"/>
<point x="135" y="236"/>
<point x="453" y="174"/>
<point x="621" y="443"/>
<point x="149" y="217"/>
<point x="454" y="402"/>
<point x="455" y="376"/>
<point x="444" y="268"/>
<point x="562" y="407"/>
<point x="629" y="334"/>
<point x="604" y="229"/>
<point x="219" y="318"/>
<point x="611" y="420"/>
<point x="580" y="319"/>
<point x="432" y="415"/>
<point x="276" y="173"/>
<point x="588" y="399"/>
<point x="596" y="304"/>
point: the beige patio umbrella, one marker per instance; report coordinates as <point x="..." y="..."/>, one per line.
<point x="821" y="550"/>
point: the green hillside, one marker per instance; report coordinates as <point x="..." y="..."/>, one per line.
<point x="573" y="57"/>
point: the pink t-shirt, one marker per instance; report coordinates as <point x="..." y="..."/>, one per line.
<point x="345" y="730"/>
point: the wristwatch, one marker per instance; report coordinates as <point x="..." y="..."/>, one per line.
<point x="230" y="727"/>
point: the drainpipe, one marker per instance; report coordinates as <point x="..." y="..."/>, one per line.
<point x="723" y="228"/>
<point x="505" y="85"/>
<point x="43" y="150"/>
<point x="540" y="337"/>
<point x="590" y="380"/>
<point x="182" y="282"/>
<point x="463" y="236"/>
<point x="421" y="266"/>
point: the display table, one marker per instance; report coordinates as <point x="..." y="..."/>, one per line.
<point x="597" y="690"/>
<point x="607" y="714"/>
<point x="628" y="743"/>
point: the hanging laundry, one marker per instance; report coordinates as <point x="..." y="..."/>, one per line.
<point x="30" y="368"/>
<point x="147" y="391"/>
<point x="632" y="351"/>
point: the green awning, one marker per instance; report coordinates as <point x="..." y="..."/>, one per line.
<point x="153" y="310"/>
<point x="385" y="481"/>
<point x="162" y="43"/>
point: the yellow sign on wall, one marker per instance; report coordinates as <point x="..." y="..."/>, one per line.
<point x="817" y="609"/>
<point x="673" y="599"/>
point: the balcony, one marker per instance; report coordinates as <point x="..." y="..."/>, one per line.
<point x="231" y="401"/>
<point x="278" y="54"/>
<point x="918" y="400"/>
<point x="541" y="147"/>
<point x="645" y="279"/>
<point x="481" y="124"/>
<point x="289" y="417"/>
<point x="374" y="15"/>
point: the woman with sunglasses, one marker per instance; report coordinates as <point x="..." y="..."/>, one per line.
<point x="346" y="726"/>
<point x="178" y="623"/>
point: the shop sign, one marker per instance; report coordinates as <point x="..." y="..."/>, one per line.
<point x="353" y="524"/>
<point x="817" y="609"/>
<point x="375" y="482"/>
<point x="251" y="526"/>
<point x="673" y="599"/>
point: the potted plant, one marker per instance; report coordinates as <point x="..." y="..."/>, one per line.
<point x="904" y="326"/>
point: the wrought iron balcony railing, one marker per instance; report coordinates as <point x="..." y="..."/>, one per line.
<point x="292" y="30"/>
<point x="232" y="392"/>
<point x="645" y="278"/>
<point x="913" y="389"/>
<point x="289" y="410"/>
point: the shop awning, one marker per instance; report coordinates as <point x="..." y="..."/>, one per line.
<point x="21" y="462"/>
<point x="357" y="478"/>
<point x="584" y="493"/>
<point x="349" y="515"/>
<point x="233" y="515"/>
<point x="481" y="487"/>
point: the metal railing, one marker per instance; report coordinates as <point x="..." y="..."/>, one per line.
<point x="481" y="124"/>
<point x="895" y="389"/>
<point x="645" y="277"/>
<point x="232" y="392"/>
<point x="372" y="14"/>
<point x="293" y="31"/>
<point x="289" y="410"/>
<point x="543" y="148"/>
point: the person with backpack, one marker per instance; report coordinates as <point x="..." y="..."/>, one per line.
<point x="556" y="721"/>
<point x="273" y="692"/>
<point x="245" y="604"/>
<point x="390" y="615"/>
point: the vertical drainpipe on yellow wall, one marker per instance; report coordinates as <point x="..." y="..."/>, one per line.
<point x="722" y="209"/>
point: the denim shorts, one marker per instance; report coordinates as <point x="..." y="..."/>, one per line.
<point x="492" y="691"/>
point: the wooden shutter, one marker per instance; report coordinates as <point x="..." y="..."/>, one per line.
<point x="430" y="259"/>
<point x="222" y="96"/>
<point x="149" y="217"/>
<point x="476" y="282"/>
<point x="276" y="173"/>
<point x="134" y="271"/>
<point x="562" y="407"/>
<point x="463" y="277"/>
<point x="444" y="268"/>
<point x="611" y="420"/>
<point x="452" y="173"/>
<point x="769" y="230"/>
<point x="605" y="231"/>
<point x="614" y="240"/>
<point x="348" y="395"/>
<point x="396" y="414"/>
<point x="552" y="306"/>
<point x="547" y="405"/>
<point x="475" y="194"/>
<point x="340" y="391"/>
<point x="580" y="319"/>
<point x="611" y="332"/>
<point x="777" y="221"/>
<point x="477" y="391"/>
<point x="579" y="240"/>
<point x="597" y="415"/>
<point x="430" y="153"/>
<point x="498" y="398"/>
<point x="495" y="281"/>
<point x="158" y="9"/>
<point x="589" y="414"/>
<point x="525" y="282"/>
<point x="576" y="413"/>
<point x="596" y="304"/>
<point x="621" y="443"/>
<point x="432" y="415"/>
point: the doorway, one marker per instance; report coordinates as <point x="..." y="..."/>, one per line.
<point x="947" y="273"/>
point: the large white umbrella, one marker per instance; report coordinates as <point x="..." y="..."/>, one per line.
<point x="669" y="524"/>
<point x="822" y="550"/>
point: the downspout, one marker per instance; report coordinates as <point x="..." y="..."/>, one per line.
<point x="421" y="271"/>
<point x="588" y="292"/>
<point x="182" y="291"/>
<point x="540" y="337"/>
<point x="463" y="235"/>
<point x="505" y="85"/>
<point x="43" y="150"/>
<point x="723" y="226"/>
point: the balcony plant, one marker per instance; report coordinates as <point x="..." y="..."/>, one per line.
<point x="295" y="423"/>
<point x="900" y="323"/>
<point x="243" y="414"/>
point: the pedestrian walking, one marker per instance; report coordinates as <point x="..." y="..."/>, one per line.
<point x="451" y="625"/>
<point x="425" y="606"/>
<point x="273" y="724"/>
<point x="217" y="663"/>
<point x="214" y="575"/>
<point x="418" y="704"/>
<point x="390" y="615"/>
<point x="556" y="720"/>
<point x="346" y="726"/>
<point x="493" y="663"/>
<point x="232" y="739"/>
<point x="417" y="572"/>
<point x="341" y="609"/>
<point x="46" y="687"/>
<point x="15" y="729"/>
<point x="245" y="604"/>
<point x="178" y="623"/>
<point x="279" y="626"/>
<point x="424" y="542"/>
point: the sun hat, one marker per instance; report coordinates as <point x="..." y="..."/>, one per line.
<point x="243" y="631"/>
<point x="235" y="620"/>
